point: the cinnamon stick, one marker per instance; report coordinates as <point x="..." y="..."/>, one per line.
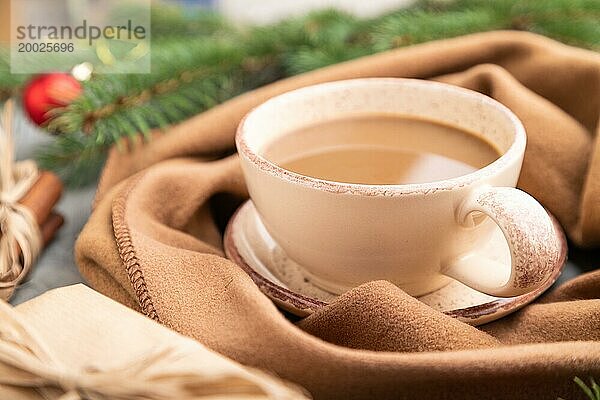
<point x="51" y="226"/>
<point x="41" y="199"/>
<point x="43" y="196"/>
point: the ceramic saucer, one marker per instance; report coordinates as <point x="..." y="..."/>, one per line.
<point x="249" y="245"/>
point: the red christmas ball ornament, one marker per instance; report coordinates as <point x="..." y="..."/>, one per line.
<point x="48" y="91"/>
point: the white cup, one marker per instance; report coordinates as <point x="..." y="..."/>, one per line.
<point x="417" y="236"/>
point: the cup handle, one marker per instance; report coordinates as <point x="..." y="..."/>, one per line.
<point x="529" y="231"/>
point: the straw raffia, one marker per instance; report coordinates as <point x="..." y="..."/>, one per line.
<point x="20" y="237"/>
<point x="25" y="362"/>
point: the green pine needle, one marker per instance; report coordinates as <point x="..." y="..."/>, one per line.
<point x="592" y="391"/>
<point x="74" y="153"/>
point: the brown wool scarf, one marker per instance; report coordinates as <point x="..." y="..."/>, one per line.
<point x="153" y="242"/>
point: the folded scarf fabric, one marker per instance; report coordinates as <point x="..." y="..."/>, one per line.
<point x="153" y="242"/>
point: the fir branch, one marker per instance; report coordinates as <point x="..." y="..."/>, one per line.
<point x="410" y="27"/>
<point x="76" y="156"/>
<point x="169" y="90"/>
<point x="170" y="21"/>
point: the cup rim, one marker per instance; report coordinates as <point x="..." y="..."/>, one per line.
<point x="516" y="148"/>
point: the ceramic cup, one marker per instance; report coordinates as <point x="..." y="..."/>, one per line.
<point x="417" y="236"/>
